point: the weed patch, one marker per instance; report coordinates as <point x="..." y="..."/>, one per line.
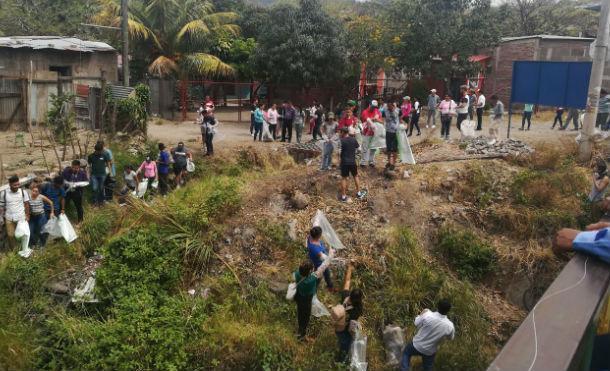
<point x="471" y="257"/>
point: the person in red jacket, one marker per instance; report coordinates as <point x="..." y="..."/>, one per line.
<point x="348" y="120"/>
<point x="372" y="112"/>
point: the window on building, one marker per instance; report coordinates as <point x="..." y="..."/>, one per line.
<point x="61" y="70"/>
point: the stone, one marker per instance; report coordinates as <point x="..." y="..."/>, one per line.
<point x="383" y="219"/>
<point x="248" y="234"/>
<point x="277" y="287"/>
<point x="292" y="230"/>
<point x="58" y="288"/>
<point x="450" y="198"/>
<point x="299" y="200"/>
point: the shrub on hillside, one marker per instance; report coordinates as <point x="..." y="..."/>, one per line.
<point x="466" y="253"/>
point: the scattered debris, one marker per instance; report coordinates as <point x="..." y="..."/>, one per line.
<point x="481" y="146"/>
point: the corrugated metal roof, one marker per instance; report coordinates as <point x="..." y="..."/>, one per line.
<point x="120" y="92"/>
<point x="54" y="42"/>
<point x="546" y="37"/>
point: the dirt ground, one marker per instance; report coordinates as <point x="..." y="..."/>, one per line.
<point x="21" y="154"/>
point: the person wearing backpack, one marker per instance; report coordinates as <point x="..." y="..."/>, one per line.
<point x="344" y="317"/>
<point x="306" y="287"/>
<point x="14" y="207"/>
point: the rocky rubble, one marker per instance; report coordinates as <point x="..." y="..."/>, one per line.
<point x="481" y="146"/>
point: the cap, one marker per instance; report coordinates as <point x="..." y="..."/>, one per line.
<point x="407" y="98"/>
<point x="374" y="103"/>
<point x="351" y="102"/>
<point x="433" y="90"/>
<point x="331" y="115"/>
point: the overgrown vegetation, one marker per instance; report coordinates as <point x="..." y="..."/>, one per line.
<point x="471" y="257"/>
<point x="129" y="114"/>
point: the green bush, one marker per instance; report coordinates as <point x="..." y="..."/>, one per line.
<point x="471" y="257"/>
<point x="142" y="332"/>
<point x="97" y="228"/>
<point x="139" y="261"/>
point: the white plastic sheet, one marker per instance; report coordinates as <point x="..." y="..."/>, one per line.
<point x="404" y="147"/>
<point x="358" y="352"/>
<point x="22" y="233"/>
<point x="328" y="233"/>
<point x="377" y="141"/>
<point x="394" y="341"/>
<point x="317" y="308"/>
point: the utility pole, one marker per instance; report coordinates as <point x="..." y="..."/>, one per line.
<point x="125" y="35"/>
<point x="595" y="82"/>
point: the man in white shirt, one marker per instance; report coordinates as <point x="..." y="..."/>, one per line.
<point x="432" y="328"/>
<point x="480" y="109"/>
<point x="14" y="207"/>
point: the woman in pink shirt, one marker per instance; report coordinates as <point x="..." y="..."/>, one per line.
<point x="447" y="108"/>
<point x="149" y="167"/>
<point x="405" y="109"/>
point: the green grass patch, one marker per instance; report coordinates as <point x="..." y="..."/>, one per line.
<point x="471" y="257"/>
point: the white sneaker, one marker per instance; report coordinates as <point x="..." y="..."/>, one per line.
<point x="427" y="126"/>
<point x="433" y="126"/>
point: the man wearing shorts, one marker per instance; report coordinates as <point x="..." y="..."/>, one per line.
<point x="392" y="120"/>
<point x="349" y="145"/>
<point x="180" y="154"/>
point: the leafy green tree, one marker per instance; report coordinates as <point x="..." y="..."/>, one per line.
<point x="44" y="17"/>
<point x="441" y="34"/>
<point x="301" y="45"/>
<point x="174" y="35"/>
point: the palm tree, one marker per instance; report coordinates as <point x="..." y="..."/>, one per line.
<point x="176" y="32"/>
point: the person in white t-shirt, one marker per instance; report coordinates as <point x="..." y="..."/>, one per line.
<point x="480" y="109"/>
<point x="14" y="207"/>
<point x="272" y="118"/>
<point x="432" y="328"/>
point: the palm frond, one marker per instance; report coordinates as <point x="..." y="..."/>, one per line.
<point x="221" y="17"/>
<point x="232" y="29"/>
<point x="207" y="65"/>
<point x="195" y="29"/>
<point x="162" y="66"/>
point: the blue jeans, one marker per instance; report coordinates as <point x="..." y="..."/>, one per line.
<point x="97" y="186"/>
<point x="327" y="157"/>
<point x="37" y="223"/>
<point x="410" y="351"/>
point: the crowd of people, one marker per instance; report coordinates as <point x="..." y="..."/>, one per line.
<point x="45" y="199"/>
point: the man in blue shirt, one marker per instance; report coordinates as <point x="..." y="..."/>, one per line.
<point x="163" y="168"/>
<point x="55" y="192"/>
<point x="318" y="253"/>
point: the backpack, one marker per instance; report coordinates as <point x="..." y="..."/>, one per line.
<point x="4" y="195"/>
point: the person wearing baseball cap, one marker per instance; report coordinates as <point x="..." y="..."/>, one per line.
<point x="433" y="102"/>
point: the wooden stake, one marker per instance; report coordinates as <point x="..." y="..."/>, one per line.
<point x="44" y="158"/>
<point x="347" y="282"/>
<point x="1" y="169"/>
<point x="54" y="145"/>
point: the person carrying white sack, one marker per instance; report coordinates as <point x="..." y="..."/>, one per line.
<point x="14" y="208"/>
<point x="368" y="133"/>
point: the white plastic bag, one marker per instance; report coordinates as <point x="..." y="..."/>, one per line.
<point x="467" y="128"/>
<point x="22" y="232"/>
<point x="317" y="308"/>
<point x="358" y="352"/>
<point x="142" y="188"/>
<point x="292" y="291"/>
<point x="67" y="231"/>
<point x="52" y="229"/>
<point x="155" y="184"/>
<point x="394" y="341"/>
<point x="328" y="233"/>
<point x="377" y="141"/>
<point x="190" y="165"/>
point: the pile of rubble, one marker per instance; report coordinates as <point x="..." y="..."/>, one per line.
<point x="482" y="146"/>
<point x="304" y="151"/>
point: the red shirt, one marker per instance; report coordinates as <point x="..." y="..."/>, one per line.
<point x="347" y="121"/>
<point x="368" y="114"/>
